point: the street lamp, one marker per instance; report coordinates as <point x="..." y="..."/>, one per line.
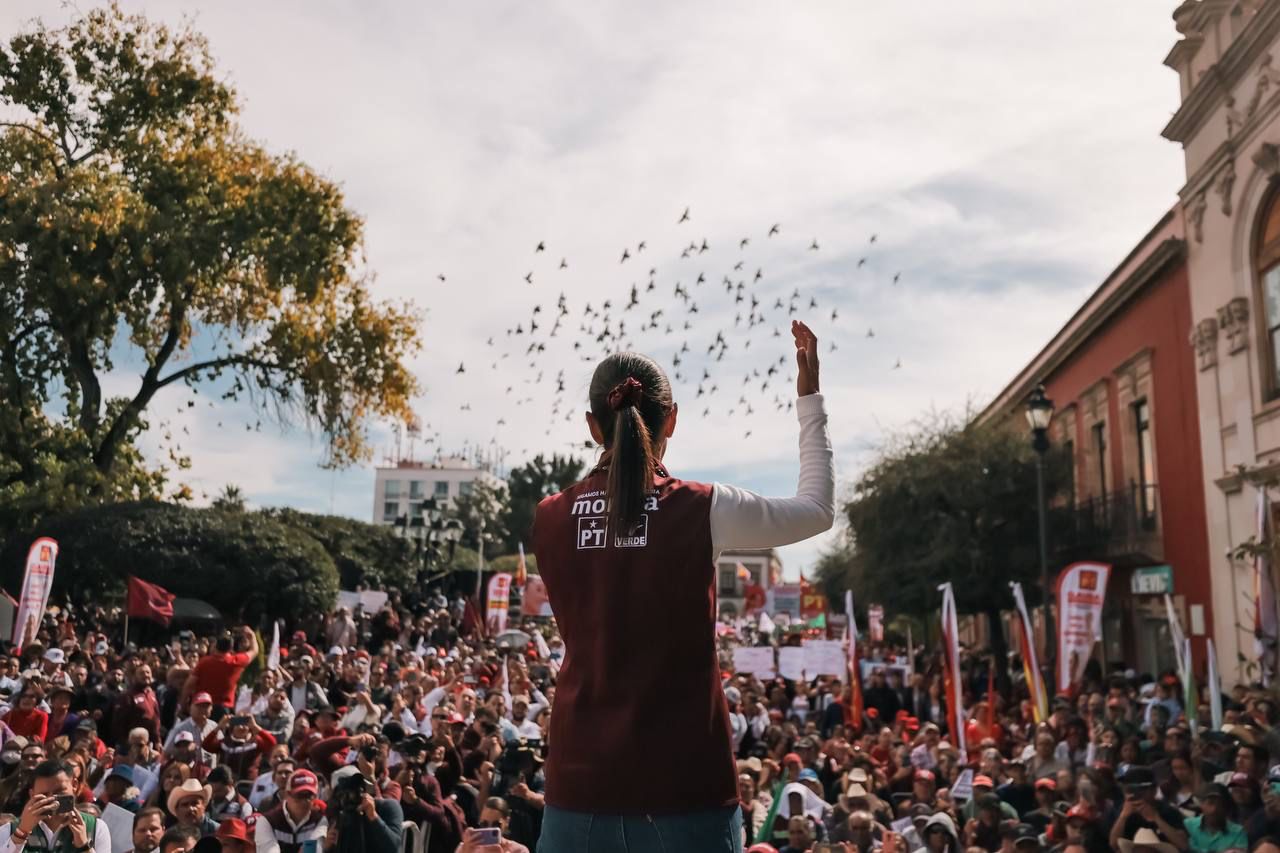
<point x="1039" y="414"/>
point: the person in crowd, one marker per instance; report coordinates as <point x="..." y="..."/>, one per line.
<point x="45" y="819"/>
<point x="135" y="707"/>
<point x="188" y="804"/>
<point x="148" y="829"/>
<point x="298" y="820"/>
<point x="218" y="674"/>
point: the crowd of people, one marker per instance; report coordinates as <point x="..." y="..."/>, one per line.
<point x="1119" y="765"/>
<point x="411" y="715"/>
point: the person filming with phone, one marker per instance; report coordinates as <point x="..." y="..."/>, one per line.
<point x="50" y="821"/>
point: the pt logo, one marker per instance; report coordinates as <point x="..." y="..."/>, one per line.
<point x="591" y="532"/>
<point x="637" y="536"/>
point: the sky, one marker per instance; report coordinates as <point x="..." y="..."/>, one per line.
<point x="1006" y="156"/>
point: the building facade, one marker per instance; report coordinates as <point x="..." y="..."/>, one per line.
<point x="1125" y="392"/>
<point x="400" y="489"/>
<point x="763" y="569"/>
<point x="1228" y="124"/>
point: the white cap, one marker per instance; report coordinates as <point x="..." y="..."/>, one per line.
<point x="55" y="655"/>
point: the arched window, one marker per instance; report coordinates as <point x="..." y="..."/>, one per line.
<point x="1267" y="301"/>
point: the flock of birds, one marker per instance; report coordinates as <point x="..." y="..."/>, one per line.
<point x="717" y="323"/>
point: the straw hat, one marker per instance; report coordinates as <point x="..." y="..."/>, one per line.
<point x="189" y="788"/>
<point x="1146" y="840"/>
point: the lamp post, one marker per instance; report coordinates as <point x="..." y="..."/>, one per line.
<point x="1039" y="414"/>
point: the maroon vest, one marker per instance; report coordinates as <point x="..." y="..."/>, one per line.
<point x="640" y="724"/>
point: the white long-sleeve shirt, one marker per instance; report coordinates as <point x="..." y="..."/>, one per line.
<point x="743" y="519"/>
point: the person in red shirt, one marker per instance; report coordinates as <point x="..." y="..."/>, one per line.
<point x="219" y="673"/>
<point x="630" y="541"/>
<point x="26" y="719"/>
<point x="240" y="745"/>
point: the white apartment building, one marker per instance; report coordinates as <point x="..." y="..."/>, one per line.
<point x="400" y="489"/>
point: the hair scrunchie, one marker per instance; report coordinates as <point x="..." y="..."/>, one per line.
<point x="628" y="392"/>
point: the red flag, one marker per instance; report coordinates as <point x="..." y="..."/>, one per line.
<point x="148" y="601"/>
<point x="522" y="571"/>
<point x="471" y="621"/>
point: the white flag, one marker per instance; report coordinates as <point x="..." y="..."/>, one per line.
<point x="1215" y="688"/>
<point x="273" y="656"/>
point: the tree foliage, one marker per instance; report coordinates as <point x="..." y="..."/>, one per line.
<point x="247" y="564"/>
<point x="949" y="500"/>
<point x="139" y="226"/>
<point x="372" y="556"/>
<point x="528" y="484"/>
<point x="486" y="507"/>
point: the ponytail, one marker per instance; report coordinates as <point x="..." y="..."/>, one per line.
<point x="631" y="465"/>
<point x="630" y="400"/>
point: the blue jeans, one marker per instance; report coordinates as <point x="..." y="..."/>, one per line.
<point x="715" y="831"/>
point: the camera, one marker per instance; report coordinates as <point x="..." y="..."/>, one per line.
<point x="348" y="793"/>
<point x="414" y="748"/>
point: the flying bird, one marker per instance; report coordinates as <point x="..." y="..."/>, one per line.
<point x="775" y="229"/>
<point x="625" y="255"/>
<point x="461" y="368"/>
<point x="684" y="217"/>
<point x="529" y="277"/>
<point x="813" y="247"/>
<point x="542" y="247"/>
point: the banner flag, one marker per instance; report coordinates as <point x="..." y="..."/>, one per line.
<point x="149" y="601"/>
<point x="951" y="671"/>
<point x="855" y="712"/>
<point x="1082" y="588"/>
<point x="1191" y="694"/>
<point x="522" y="570"/>
<point x="1215" y="689"/>
<point x="495" y="614"/>
<point x="1030" y="663"/>
<point x="36" y="584"/>
<point x="535" y="601"/>
<point x="1179" y="638"/>
<point x="273" y="654"/>
<point x="1265" y="627"/>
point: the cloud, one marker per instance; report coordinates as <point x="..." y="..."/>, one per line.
<point x="1006" y="155"/>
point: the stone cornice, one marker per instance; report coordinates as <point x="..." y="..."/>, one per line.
<point x="1220" y="77"/>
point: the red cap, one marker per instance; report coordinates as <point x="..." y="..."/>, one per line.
<point x="1047" y="783"/>
<point x="299" y="636"/>
<point x="925" y="775"/>
<point x="202" y="698"/>
<point x="775" y="714"/>
<point x="233" y="829"/>
<point x="792" y="758"/>
<point x="303" y="782"/>
<point x="1081" y="811"/>
<point x="455" y="717"/>
<point x="362" y="654"/>
<point x="873" y="713"/>
<point x="982" y="779"/>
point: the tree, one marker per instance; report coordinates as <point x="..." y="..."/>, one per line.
<point x="247" y="564"/>
<point x="950" y="500"/>
<point x="139" y="226"/>
<point x="230" y="499"/>
<point x="366" y="555"/>
<point x="529" y="484"/>
<point x="487" y="506"/>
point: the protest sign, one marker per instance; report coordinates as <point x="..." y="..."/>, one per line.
<point x="370" y="600"/>
<point x="1082" y="588"/>
<point x="495" y="615"/>
<point x="963" y="788"/>
<point x="35" y="590"/>
<point x="757" y="661"/>
<point x="786" y="599"/>
<point x="791" y="662"/>
<point x="824" y="657"/>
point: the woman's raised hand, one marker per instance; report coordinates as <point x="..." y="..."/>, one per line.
<point x="806" y="359"/>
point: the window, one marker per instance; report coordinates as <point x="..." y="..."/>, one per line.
<point x="1100" y="454"/>
<point x="1146" y="459"/>
<point x="415" y="490"/>
<point x="465" y="489"/>
<point x="391" y="489"/>
<point x="389" y="510"/>
<point x="1267" y="265"/>
<point x="728" y="579"/>
<point x="442" y="488"/>
<point x="1069" y="447"/>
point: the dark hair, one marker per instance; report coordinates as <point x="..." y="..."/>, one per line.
<point x="50" y="768"/>
<point x="224" y="643"/>
<point x="630" y="400"/>
<point x="177" y="835"/>
<point x="150" y="811"/>
<point x="498" y="805"/>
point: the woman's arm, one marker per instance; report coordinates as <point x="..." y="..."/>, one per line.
<point x="743" y="519"/>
